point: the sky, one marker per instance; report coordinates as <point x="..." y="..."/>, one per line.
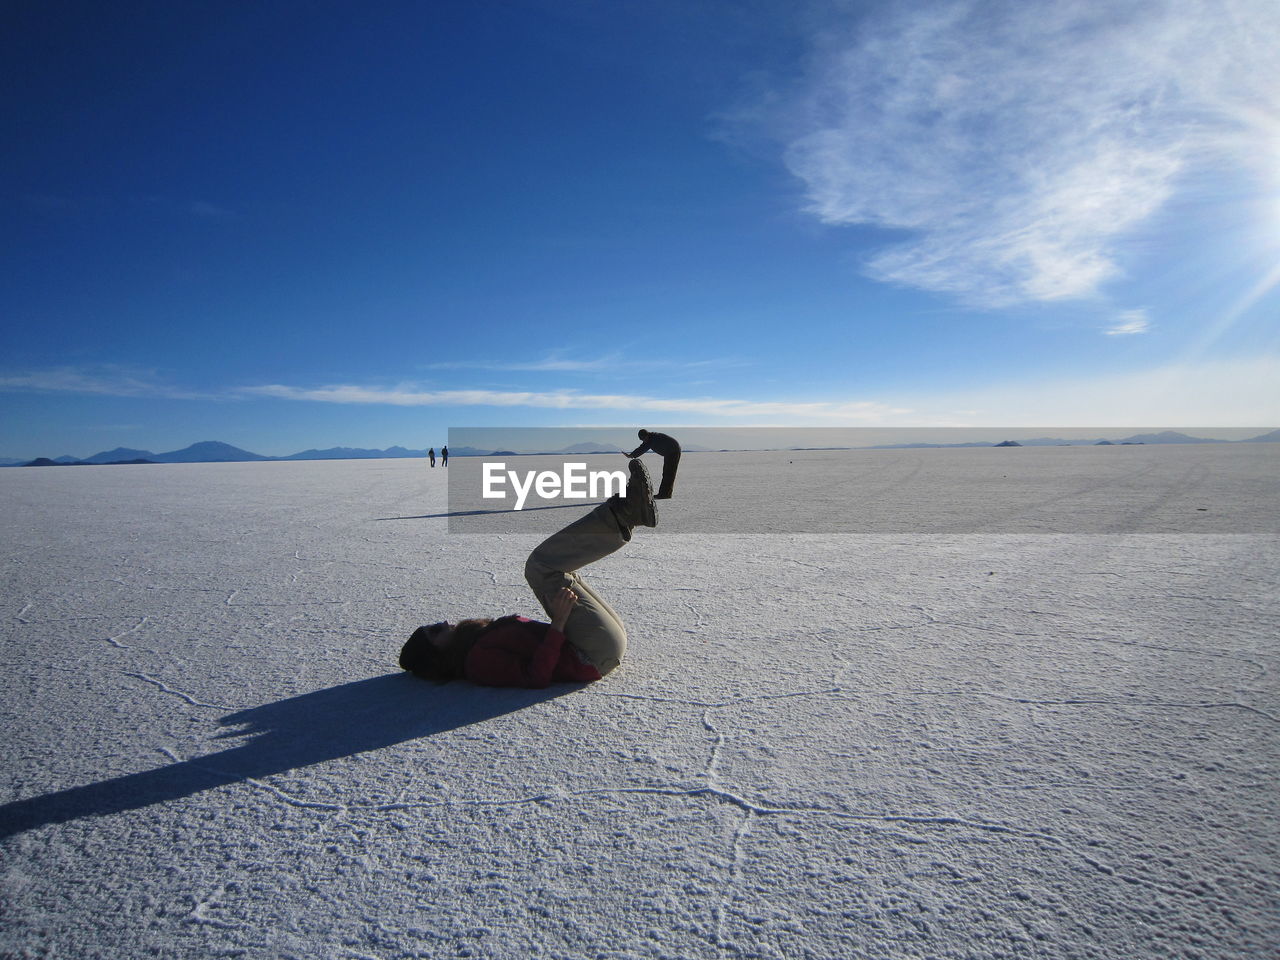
<point x="297" y="225"/>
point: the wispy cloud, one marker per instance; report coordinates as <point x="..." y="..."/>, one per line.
<point x="1129" y="323"/>
<point x="551" y="363"/>
<point x="1240" y="392"/>
<point x="1019" y="141"/>
<point x="826" y="411"/>
<point x="613" y="364"/>
<point x="104" y="380"/>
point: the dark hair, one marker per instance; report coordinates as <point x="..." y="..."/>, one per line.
<point x="423" y="659"/>
<point x="642" y="433"/>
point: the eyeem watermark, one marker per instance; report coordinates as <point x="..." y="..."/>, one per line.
<point x="573" y="482"/>
<point x="864" y="480"/>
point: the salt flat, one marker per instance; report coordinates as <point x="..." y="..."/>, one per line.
<point x="918" y="741"/>
<point x="1232" y="488"/>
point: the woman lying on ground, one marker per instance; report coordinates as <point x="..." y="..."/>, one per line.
<point x="585" y="638"/>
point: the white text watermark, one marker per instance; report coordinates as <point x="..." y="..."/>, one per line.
<point x="573" y="482"/>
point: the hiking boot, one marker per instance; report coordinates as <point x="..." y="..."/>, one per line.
<point x="637" y="507"/>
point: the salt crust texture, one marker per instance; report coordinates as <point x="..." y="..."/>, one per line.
<point x="841" y="746"/>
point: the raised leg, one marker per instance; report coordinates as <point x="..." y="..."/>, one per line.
<point x="594" y="627"/>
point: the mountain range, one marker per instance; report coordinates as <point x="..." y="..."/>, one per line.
<point x="214" y="451"/>
<point x="1165" y="436"/>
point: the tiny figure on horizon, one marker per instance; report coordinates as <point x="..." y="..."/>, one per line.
<point x="444" y="456"/>
<point x="665" y="447"/>
<point x="431" y="455"/>
<point x="585" y="638"/>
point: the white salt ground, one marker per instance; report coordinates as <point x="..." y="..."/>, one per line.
<point x="841" y="746"/>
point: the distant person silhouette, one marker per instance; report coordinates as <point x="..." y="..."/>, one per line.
<point x="667" y="448"/>
<point x="585" y="638"/>
<point x="444" y="456"/>
<point x="431" y="454"/>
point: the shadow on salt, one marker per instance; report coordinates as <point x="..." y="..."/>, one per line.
<point x="328" y="724"/>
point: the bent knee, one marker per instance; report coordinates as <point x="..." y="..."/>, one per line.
<point x="535" y="570"/>
<point x="608" y="652"/>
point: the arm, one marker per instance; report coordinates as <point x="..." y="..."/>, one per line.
<point x="639" y="450"/>
<point x="504" y="658"/>
<point x="543" y="662"/>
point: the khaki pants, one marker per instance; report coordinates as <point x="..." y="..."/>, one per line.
<point x="594" y="628"/>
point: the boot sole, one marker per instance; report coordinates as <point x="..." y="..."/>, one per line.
<point x="645" y="507"/>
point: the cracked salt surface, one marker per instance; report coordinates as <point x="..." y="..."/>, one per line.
<point x="977" y="746"/>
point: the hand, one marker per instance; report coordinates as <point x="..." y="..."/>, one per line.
<point x="564" y="601"/>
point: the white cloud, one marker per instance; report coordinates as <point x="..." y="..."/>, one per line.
<point x="824" y="411"/>
<point x="1020" y="141"/>
<point x="105" y="380"/>
<point x="614" y="364"/>
<point x="1128" y="323"/>
<point x="1242" y="392"/>
<point x="553" y="362"/>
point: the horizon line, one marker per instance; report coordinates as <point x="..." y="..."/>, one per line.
<point x="368" y="453"/>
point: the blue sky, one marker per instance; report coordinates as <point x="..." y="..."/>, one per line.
<point x="293" y="225"/>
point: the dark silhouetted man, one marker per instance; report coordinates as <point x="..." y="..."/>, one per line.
<point x="667" y="448"/>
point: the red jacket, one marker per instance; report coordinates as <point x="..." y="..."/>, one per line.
<point x="525" y="653"/>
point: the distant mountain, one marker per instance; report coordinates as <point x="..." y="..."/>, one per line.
<point x="213" y="451"/>
<point x="1053" y="442"/>
<point x="355" y="453"/>
<point x="208" y="451"/>
<point x="1167" y="436"/>
<point x="119" y="454"/>
<point x="336" y="453"/>
<point x="46" y="462"/>
<point x="589" y="446"/>
<point x="931" y="446"/>
<point x="1272" y="437"/>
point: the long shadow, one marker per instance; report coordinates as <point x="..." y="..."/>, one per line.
<point x="482" y="513"/>
<point x="324" y="725"/>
